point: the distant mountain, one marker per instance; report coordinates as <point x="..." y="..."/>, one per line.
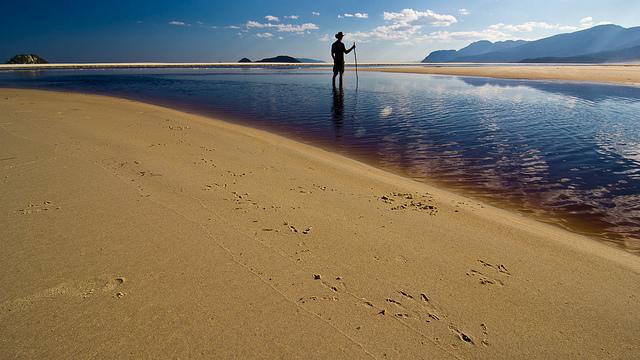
<point x="27" y="59"/>
<point x="244" y="60"/>
<point x="313" y="61"/>
<point x="485" y="46"/>
<point x="280" y="59"/>
<point x="599" y="42"/>
<point x="476" y="48"/>
<point x="627" y="54"/>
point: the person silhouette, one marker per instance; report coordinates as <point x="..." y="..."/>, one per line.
<point x="337" y="53"/>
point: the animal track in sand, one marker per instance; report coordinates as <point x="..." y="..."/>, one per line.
<point x="301" y="190"/>
<point x="499" y="270"/>
<point x="416" y="307"/>
<point x="235" y="174"/>
<point x="484" y="279"/>
<point x="207" y="149"/>
<point x="131" y="168"/>
<point x="408" y="201"/>
<point x="205" y="162"/>
<point x="485" y="335"/>
<point x="462" y="336"/>
<point x="35" y="208"/>
<point x="148" y="173"/>
<point x="208" y="187"/>
<point x="334" y="285"/>
<point x="304" y="300"/>
<point x="294" y="229"/>
<point x="178" y="127"/>
<point x="242" y="199"/>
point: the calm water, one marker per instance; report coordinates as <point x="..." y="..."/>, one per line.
<point x="569" y="151"/>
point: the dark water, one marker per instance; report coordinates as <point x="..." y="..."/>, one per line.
<point x="564" y="150"/>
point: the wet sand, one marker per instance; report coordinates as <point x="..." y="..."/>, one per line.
<point x="614" y="74"/>
<point x="132" y="230"/>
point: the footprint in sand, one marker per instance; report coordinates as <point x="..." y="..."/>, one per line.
<point x="83" y="289"/>
<point x="36" y="208"/>
<point x="113" y="283"/>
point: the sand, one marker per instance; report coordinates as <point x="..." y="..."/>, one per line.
<point x="614" y="74"/>
<point x="135" y="231"/>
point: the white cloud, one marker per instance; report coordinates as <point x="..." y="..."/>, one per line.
<point x="292" y="17"/>
<point x="315" y="13"/>
<point x="232" y="27"/>
<point x="325" y="38"/>
<point x="404" y="27"/>
<point x="178" y="23"/>
<point x="272" y="18"/>
<point x="531" y="26"/>
<point x="408" y="27"/>
<point x="356" y="15"/>
<point x="486" y="34"/>
<point x="264" y="35"/>
<point x="408" y="16"/>
<point x="300" y="29"/>
<point x="586" y="20"/>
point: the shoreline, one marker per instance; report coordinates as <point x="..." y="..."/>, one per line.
<point x="615" y="74"/>
<point x="137" y="216"/>
<point x="555" y="219"/>
<point x="628" y="75"/>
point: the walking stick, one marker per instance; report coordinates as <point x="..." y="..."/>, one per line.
<point x="355" y="55"/>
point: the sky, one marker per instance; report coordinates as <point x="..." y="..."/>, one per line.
<point x="213" y="31"/>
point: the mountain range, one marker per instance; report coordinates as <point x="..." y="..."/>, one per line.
<point x="599" y="44"/>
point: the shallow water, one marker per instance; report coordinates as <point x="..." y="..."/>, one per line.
<point x="565" y="151"/>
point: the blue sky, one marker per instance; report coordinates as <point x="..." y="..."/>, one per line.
<point x="198" y="30"/>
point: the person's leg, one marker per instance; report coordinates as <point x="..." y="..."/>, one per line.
<point x="341" y="73"/>
<point x="334" y="78"/>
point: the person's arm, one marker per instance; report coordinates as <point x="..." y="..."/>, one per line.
<point x="351" y="48"/>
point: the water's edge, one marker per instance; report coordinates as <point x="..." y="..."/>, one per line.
<point x="584" y="228"/>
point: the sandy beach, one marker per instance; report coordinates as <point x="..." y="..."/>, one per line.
<point x="613" y="74"/>
<point x="136" y="231"/>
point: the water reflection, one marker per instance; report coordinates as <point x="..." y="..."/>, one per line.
<point x="337" y="110"/>
<point x="571" y="151"/>
<point x="587" y="92"/>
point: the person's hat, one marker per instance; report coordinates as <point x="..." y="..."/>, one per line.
<point x="339" y="35"/>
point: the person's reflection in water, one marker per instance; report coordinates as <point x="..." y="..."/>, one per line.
<point x="338" y="110"/>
